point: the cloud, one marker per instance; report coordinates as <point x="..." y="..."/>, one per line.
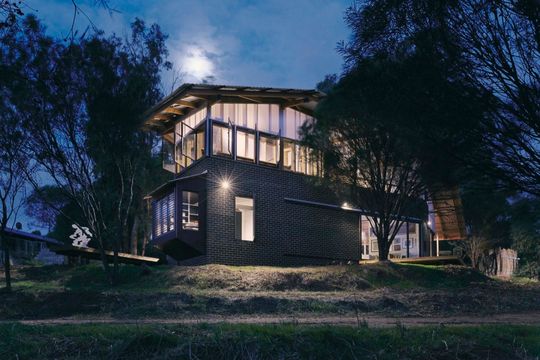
<point x="269" y="43"/>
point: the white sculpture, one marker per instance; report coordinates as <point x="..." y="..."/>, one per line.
<point x="81" y="237"/>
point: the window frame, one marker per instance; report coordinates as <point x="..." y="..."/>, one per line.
<point x="184" y="228"/>
<point x="246" y="131"/>
<point x="222" y="125"/>
<point x="277" y="152"/>
<point x="252" y="198"/>
<point x="164" y="211"/>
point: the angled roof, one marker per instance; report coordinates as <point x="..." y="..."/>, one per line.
<point x="189" y="97"/>
<point x="18" y="234"/>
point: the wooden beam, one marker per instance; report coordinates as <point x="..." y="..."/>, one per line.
<point x="171" y="110"/>
<point x="252" y="93"/>
<point x="92" y="253"/>
<point x="185" y="103"/>
<point x="250" y="99"/>
<point x="160" y="117"/>
<point x="296" y="102"/>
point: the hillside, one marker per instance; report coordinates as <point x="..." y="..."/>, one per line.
<point x="185" y="292"/>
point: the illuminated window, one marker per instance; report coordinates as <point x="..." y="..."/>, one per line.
<point x="289" y="162"/>
<point x="190" y="210"/>
<point x="268" y="150"/>
<point x="188" y="149"/>
<point x="163" y="215"/>
<point x="167" y="151"/>
<point x="244" y="218"/>
<point x="200" y="144"/>
<point x="293" y="121"/>
<point x="301" y="159"/>
<point x="221" y="140"/>
<point x="216" y="112"/>
<point x="251" y="115"/>
<point x="245" y="145"/>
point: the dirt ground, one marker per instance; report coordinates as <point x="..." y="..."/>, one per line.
<point x="532" y="318"/>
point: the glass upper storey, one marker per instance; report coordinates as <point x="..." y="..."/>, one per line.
<point x="265" y="134"/>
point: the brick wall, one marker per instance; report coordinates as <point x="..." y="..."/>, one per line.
<point x="286" y="233"/>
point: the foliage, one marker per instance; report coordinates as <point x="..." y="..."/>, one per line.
<point x="268" y="342"/>
<point x="525" y="234"/>
<point x="401" y="114"/>
<point x="83" y="104"/>
<point x="492" y="46"/>
<point x="500" y="40"/>
<point x="13" y="163"/>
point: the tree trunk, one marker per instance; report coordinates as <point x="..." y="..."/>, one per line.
<point x="114" y="278"/>
<point x="145" y="242"/>
<point x="7" y="263"/>
<point x="134" y="233"/>
<point x="383" y="249"/>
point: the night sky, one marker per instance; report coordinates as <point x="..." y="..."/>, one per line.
<point x="282" y="43"/>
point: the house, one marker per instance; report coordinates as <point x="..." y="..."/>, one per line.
<point x="245" y="191"/>
<point x="25" y="246"/>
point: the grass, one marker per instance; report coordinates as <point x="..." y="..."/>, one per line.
<point x="284" y="341"/>
<point x="169" y="292"/>
<point x="260" y="278"/>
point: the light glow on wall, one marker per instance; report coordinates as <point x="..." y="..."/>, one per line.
<point x="225" y="184"/>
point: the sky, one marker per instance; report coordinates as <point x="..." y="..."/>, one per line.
<point x="274" y="43"/>
<point x="280" y="43"/>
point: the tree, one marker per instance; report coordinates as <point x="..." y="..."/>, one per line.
<point x="12" y="179"/>
<point x="83" y="108"/>
<point x="488" y="219"/>
<point x="402" y="115"/>
<point x="494" y="46"/>
<point x="366" y="149"/>
<point x="45" y="204"/>
<point x="501" y="41"/>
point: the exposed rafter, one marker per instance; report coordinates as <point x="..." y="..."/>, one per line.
<point x="189" y="97"/>
<point x="171" y="110"/>
<point x="186" y="103"/>
<point x="295" y="102"/>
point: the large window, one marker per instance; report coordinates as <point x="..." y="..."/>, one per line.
<point x="221" y="140"/>
<point x="163" y="210"/>
<point x="167" y="152"/>
<point x="263" y="117"/>
<point x="190" y="139"/>
<point x="289" y="162"/>
<point x="268" y="118"/>
<point x="188" y="149"/>
<point x="190" y="210"/>
<point x="245" y="145"/>
<point x="244" y="218"/>
<point x="200" y="144"/>
<point x="293" y="121"/>
<point x="252" y="132"/>
<point x="195" y="119"/>
<point x="268" y="150"/>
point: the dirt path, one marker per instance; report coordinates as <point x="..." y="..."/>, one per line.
<point x="373" y="321"/>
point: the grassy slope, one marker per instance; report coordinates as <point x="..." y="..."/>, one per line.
<point x="57" y="291"/>
<point x="284" y="341"/>
<point x="259" y="278"/>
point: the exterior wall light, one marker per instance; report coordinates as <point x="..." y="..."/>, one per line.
<point x="345" y="206"/>
<point x="225" y="184"/>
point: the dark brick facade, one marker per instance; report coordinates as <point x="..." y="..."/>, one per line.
<point x="286" y="233"/>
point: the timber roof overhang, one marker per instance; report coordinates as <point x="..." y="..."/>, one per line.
<point x="190" y="97"/>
